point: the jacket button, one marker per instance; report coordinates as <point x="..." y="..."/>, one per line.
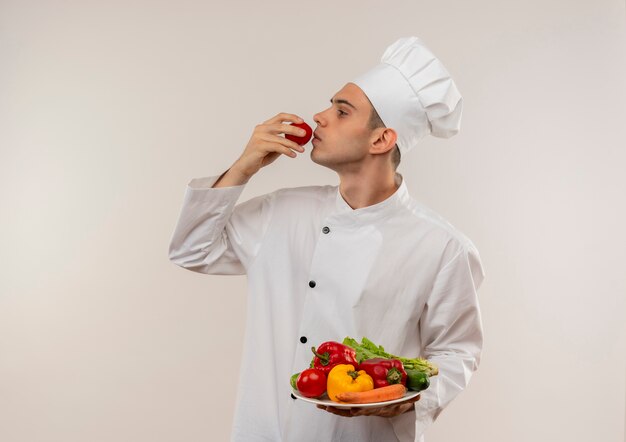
<point x="311" y="284"/>
<point x="325" y="229"/>
<point x="303" y="339"/>
<point x="293" y="397"/>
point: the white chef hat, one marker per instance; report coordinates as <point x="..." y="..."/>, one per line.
<point x="413" y="93"/>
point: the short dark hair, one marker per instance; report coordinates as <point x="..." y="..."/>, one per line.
<point x="374" y="123"/>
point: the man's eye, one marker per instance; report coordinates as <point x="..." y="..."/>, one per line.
<point x="341" y="112"/>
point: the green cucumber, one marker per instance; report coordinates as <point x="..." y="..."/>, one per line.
<point x="416" y="380"/>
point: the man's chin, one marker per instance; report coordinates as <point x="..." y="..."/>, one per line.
<point x="323" y="162"/>
<point x="317" y="158"/>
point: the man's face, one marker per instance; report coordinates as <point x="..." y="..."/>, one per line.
<point x="343" y="130"/>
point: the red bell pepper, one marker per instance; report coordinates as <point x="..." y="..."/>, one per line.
<point x="384" y="371"/>
<point x="332" y="353"/>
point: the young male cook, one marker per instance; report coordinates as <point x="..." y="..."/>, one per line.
<point x="359" y="259"/>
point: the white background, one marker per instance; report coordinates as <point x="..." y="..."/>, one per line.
<point x="108" y="109"/>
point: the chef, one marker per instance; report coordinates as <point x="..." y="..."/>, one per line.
<point x="359" y="259"/>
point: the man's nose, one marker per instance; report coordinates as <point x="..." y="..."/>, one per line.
<point x="318" y="119"/>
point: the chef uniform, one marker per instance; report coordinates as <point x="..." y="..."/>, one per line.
<point x="318" y="270"/>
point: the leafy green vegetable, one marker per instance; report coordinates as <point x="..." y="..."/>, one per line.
<point x="368" y="350"/>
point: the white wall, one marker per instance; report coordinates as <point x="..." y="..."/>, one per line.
<point x="107" y="109"/>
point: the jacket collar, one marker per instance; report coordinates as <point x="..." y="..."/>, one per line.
<point x="345" y="214"/>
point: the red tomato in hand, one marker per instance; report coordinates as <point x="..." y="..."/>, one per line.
<point x="301" y="140"/>
<point x="311" y="382"/>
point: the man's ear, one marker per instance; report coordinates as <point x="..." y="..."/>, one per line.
<point x="384" y="139"/>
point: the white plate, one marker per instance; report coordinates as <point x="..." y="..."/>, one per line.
<point x="324" y="400"/>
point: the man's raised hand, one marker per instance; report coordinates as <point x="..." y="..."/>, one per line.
<point x="266" y="144"/>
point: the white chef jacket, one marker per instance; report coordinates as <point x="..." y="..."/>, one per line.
<point x="318" y="270"/>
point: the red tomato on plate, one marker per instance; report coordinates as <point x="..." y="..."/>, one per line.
<point x="301" y="140"/>
<point x="311" y="382"/>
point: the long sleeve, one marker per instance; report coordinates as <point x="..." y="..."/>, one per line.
<point x="214" y="235"/>
<point x="452" y="334"/>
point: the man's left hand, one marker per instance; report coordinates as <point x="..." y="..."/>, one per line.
<point x="386" y="411"/>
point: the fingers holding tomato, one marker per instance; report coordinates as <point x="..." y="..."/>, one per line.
<point x="299" y="137"/>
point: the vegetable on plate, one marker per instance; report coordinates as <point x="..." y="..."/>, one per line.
<point x="368" y="350"/>
<point x="344" y="378"/>
<point x="384" y="371"/>
<point x="311" y="382"/>
<point x="382" y="394"/>
<point x="416" y="380"/>
<point x="331" y="353"/>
